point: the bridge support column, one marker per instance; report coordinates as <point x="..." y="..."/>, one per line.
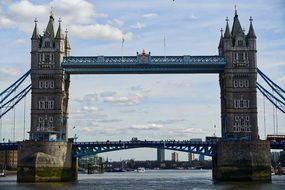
<point x="46" y="162"/>
<point x="242" y="161"/>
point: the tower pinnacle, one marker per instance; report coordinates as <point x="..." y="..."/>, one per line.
<point x="36" y="32"/>
<point x="51" y="11"/>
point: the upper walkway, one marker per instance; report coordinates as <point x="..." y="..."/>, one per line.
<point x="143" y="64"/>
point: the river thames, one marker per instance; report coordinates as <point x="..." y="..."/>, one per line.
<point x="150" y="180"/>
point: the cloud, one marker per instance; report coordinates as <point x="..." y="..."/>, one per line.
<point x="90" y="109"/>
<point x="169" y="121"/>
<point x="149" y="126"/>
<point x="87" y="129"/>
<point x="20" y="41"/>
<point x="190" y="131"/>
<point x="78" y="15"/>
<point x="138" y="25"/>
<point x="87" y="99"/>
<point x="116" y="22"/>
<point x="6" y="22"/>
<point x="6" y="73"/>
<point x="109" y="120"/>
<point x="98" y="31"/>
<point x="150" y="15"/>
<point x="137" y="88"/>
<point x="107" y="93"/>
<point x="193" y="17"/>
<point x="126" y="100"/>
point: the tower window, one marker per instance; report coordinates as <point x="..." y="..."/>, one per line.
<point x="241" y="103"/>
<point x="51" y="84"/>
<point x="235" y="83"/>
<point x="240" y="43"/>
<point x="47" y="44"/>
<point x="241" y="83"/>
<point x="41" y="84"/>
<point x="46" y="104"/>
<point x="47" y="58"/>
<point x="241" y="123"/>
<point x="46" y="84"/>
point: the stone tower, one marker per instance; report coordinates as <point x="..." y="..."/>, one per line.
<point x="238" y="83"/>
<point x="47" y="157"/>
<point x="240" y="155"/>
<point x="49" y="84"/>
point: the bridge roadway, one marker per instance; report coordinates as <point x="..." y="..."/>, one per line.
<point x="81" y="149"/>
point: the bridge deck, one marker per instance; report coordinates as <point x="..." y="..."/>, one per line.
<point x="81" y="149"/>
<point x="143" y="65"/>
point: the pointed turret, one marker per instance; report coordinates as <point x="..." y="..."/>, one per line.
<point x="251" y="33"/>
<point x="227" y="31"/>
<point x="36" y="32"/>
<point x="50" y="27"/>
<point x="237" y="29"/>
<point x="67" y="44"/>
<point x="59" y="33"/>
<point x="221" y="43"/>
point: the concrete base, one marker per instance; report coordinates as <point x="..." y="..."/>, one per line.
<point x="46" y="162"/>
<point x="242" y="161"/>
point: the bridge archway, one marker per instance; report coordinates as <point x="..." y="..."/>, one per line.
<point x="88" y="149"/>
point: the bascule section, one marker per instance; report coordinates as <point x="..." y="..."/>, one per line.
<point x="240" y="155"/>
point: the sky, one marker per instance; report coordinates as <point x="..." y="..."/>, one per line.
<point x="152" y="107"/>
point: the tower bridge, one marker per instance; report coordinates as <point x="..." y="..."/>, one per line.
<point x="49" y="156"/>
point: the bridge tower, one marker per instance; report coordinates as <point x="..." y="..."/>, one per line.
<point x="47" y="155"/>
<point x="240" y="154"/>
<point x="49" y="84"/>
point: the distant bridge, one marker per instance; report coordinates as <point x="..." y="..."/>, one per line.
<point x="81" y="149"/>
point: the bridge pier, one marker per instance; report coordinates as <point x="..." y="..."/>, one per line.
<point x="46" y="162"/>
<point x="242" y="161"/>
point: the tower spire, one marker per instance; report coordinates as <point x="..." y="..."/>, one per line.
<point x="67" y="44"/>
<point x="50" y="27"/>
<point x="236" y="29"/>
<point x="36" y="32"/>
<point x="51" y="11"/>
<point x="251" y="33"/>
<point x="227" y="30"/>
<point x="221" y="39"/>
<point x="59" y="33"/>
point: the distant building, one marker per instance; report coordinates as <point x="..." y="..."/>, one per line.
<point x="9" y="159"/>
<point x="190" y="157"/>
<point x="275" y="156"/>
<point x="201" y="157"/>
<point x="160" y="155"/>
<point x="174" y="156"/>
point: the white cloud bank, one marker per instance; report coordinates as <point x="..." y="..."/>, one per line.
<point x="78" y="15"/>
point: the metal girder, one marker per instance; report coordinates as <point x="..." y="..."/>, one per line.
<point x="8" y="146"/>
<point x="82" y="149"/>
<point x="143" y="65"/>
<point x="277" y="145"/>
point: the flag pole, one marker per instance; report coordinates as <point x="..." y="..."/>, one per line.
<point x="122" y="48"/>
<point x="164" y="48"/>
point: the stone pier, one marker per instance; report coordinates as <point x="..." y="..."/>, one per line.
<point x="46" y="162"/>
<point x="242" y="161"/>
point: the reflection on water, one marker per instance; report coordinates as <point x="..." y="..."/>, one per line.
<point x="151" y="179"/>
